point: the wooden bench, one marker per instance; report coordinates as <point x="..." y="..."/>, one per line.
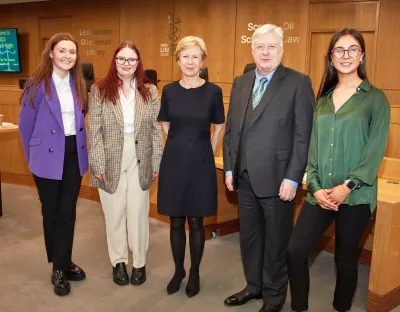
<point x="3" y="130"/>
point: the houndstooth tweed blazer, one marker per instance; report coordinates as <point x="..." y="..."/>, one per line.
<point x="106" y="139"/>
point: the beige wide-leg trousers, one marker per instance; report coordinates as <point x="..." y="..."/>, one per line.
<point x="127" y="211"/>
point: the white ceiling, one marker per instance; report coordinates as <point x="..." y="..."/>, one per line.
<point x="18" y="1"/>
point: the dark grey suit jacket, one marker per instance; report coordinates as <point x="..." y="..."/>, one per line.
<point x="279" y="133"/>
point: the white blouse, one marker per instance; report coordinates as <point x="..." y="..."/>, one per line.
<point x="128" y="108"/>
<point x="64" y="93"/>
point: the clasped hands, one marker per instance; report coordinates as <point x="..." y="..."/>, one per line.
<point x="331" y="199"/>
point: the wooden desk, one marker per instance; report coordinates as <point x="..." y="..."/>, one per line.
<point x="382" y="235"/>
<point x="8" y="129"/>
<point x="384" y="279"/>
<point x="5" y="129"/>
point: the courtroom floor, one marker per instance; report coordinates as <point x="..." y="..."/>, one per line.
<point x="25" y="275"/>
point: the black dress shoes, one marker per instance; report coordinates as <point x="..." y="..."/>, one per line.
<point x="271" y="308"/>
<point x="193" y="285"/>
<point x="138" y="276"/>
<point x="175" y="283"/>
<point x="120" y="275"/>
<point x="75" y="273"/>
<point x="60" y="281"/>
<point x="240" y="298"/>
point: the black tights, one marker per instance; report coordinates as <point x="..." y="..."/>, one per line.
<point x="178" y="241"/>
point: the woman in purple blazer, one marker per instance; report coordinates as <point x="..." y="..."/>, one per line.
<point x="53" y="133"/>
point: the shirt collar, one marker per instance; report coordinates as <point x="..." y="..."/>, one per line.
<point x="269" y="76"/>
<point x="364" y="85"/>
<point x="58" y="81"/>
<point x="132" y="93"/>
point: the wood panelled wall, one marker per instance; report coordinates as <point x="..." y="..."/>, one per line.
<point x="225" y="25"/>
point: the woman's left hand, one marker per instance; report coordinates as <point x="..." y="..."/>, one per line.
<point x="155" y="175"/>
<point x="338" y="194"/>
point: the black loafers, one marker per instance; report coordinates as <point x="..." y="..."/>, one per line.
<point x="61" y="284"/>
<point x="120" y="275"/>
<point x="241" y="298"/>
<point x="138" y="276"/>
<point x="75" y="273"/>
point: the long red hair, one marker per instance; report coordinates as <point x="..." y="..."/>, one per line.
<point x="110" y="84"/>
<point x="44" y="71"/>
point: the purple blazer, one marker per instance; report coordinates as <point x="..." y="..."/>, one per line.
<point x="42" y="133"/>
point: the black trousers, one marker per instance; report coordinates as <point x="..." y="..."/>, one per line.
<point x="312" y="222"/>
<point x="58" y="198"/>
<point x="265" y="228"/>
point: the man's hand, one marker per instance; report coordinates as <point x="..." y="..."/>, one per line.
<point x="99" y="177"/>
<point x="287" y="191"/>
<point x="322" y="198"/>
<point x="338" y="194"/>
<point x="229" y="182"/>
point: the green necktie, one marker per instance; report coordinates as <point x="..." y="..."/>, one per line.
<point x="258" y="93"/>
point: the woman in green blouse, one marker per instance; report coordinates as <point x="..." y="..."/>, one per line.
<point x="348" y="141"/>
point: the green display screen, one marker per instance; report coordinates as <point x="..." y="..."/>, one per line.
<point x="9" y="54"/>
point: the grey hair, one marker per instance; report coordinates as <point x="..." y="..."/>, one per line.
<point x="265" y="29"/>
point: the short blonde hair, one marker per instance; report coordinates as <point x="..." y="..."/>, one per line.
<point x="265" y="29"/>
<point x="190" y="42"/>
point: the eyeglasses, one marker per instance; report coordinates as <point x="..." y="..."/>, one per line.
<point x="131" y="61"/>
<point x="352" y="52"/>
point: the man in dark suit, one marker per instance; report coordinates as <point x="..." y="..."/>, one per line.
<point x="265" y="154"/>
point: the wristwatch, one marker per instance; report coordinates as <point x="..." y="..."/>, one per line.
<point x="350" y="184"/>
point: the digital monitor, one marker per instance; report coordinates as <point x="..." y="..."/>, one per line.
<point x="9" y="52"/>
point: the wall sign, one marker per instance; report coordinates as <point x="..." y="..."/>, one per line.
<point x="94" y="45"/>
<point x="287" y="26"/>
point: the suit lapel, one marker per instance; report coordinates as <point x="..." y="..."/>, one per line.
<point x="119" y="115"/>
<point x="54" y="103"/>
<point x="138" y="110"/>
<point x="272" y="88"/>
<point x="246" y="93"/>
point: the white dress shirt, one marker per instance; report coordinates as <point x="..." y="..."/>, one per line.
<point x="64" y="93"/>
<point x="128" y="108"/>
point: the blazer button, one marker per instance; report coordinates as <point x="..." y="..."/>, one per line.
<point x="136" y="142"/>
<point x="53" y="131"/>
<point x="83" y="111"/>
<point x="51" y="111"/>
<point x="81" y="129"/>
<point x="83" y="146"/>
<point x="50" y="150"/>
<point x="138" y="161"/>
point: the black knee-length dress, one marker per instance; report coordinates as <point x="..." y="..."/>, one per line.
<point x="187" y="183"/>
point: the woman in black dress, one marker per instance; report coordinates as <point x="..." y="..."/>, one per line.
<point x="187" y="181"/>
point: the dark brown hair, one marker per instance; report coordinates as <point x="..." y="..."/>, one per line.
<point x="330" y="77"/>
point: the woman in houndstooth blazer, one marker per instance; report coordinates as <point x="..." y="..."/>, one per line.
<point x="125" y="141"/>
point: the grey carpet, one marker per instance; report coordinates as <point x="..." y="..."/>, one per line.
<point x="25" y="274"/>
